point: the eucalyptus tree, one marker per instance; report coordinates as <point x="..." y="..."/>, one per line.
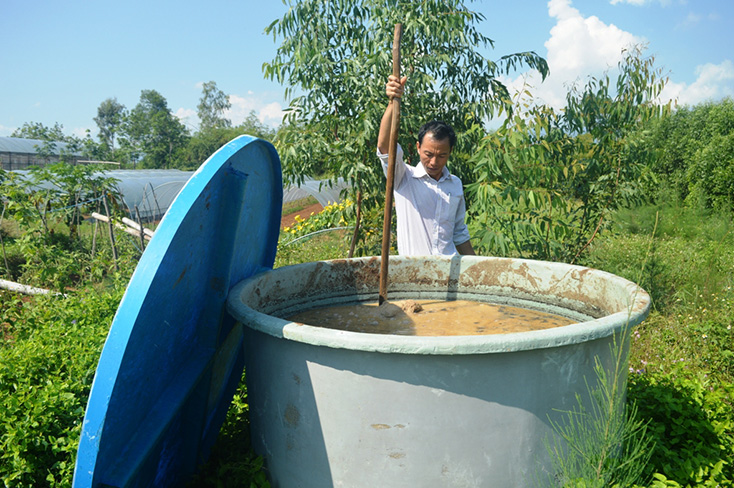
<point x="152" y="132"/>
<point x="110" y="117"/>
<point x="334" y="59"/>
<point x="546" y="181"/>
<point x="212" y="106"/>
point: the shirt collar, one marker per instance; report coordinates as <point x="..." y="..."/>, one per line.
<point x="420" y="172"/>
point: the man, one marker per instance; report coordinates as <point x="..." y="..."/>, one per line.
<point x="429" y="201"/>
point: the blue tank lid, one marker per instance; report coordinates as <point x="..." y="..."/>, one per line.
<point x="173" y="357"/>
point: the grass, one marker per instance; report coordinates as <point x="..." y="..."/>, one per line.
<point x="681" y="362"/>
<point x="690" y="277"/>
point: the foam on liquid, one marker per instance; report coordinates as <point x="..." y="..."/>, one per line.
<point x="438" y="318"/>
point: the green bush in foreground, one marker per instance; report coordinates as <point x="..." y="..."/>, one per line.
<point x="691" y="425"/>
<point x="48" y="357"/>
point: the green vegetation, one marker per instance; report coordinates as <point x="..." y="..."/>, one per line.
<point x="681" y="361"/>
<point x="48" y="355"/>
<point x="681" y="356"/>
<point x="334" y="60"/>
<point x="298" y="205"/>
<point x="615" y="182"/>
<point x="546" y="181"/>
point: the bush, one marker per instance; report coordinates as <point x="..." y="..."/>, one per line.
<point x="710" y="174"/>
<point x="49" y="354"/>
<point x="692" y="426"/>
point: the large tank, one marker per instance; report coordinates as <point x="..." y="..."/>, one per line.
<point x="337" y="408"/>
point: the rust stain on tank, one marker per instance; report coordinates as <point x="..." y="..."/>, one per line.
<point x="429" y="275"/>
<point x="487" y="273"/>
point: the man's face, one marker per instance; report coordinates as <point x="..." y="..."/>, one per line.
<point x="434" y="154"/>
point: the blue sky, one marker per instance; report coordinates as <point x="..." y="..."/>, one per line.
<point x="60" y="60"/>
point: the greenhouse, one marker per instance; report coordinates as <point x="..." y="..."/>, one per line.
<point x="151" y="191"/>
<point x="19" y="154"/>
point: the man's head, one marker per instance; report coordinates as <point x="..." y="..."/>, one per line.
<point x="436" y="140"/>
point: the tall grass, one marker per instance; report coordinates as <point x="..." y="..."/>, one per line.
<point x="681" y="359"/>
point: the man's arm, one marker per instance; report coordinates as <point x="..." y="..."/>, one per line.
<point x="394" y="89"/>
<point x="465" y="248"/>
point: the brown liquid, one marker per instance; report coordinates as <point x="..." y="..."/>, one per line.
<point x="438" y="318"/>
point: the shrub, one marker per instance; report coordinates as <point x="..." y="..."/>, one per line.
<point x="47" y="362"/>
<point x="692" y="425"/>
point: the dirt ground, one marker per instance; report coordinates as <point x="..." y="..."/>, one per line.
<point x="290" y="219"/>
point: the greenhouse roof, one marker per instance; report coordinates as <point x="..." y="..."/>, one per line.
<point x="153" y="190"/>
<point x="323" y="191"/>
<point x="28" y="146"/>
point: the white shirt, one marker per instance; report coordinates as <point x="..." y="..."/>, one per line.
<point x="430" y="213"/>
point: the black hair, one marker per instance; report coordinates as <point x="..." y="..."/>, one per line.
<point x="440" y="131"/>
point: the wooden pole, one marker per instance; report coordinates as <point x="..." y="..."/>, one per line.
<point x="356" y="225"/>
<point x="2" y="242"/>
<point x="140" y="229"/>
<point x="392" y="152"/>
<point x="112" y="232"/>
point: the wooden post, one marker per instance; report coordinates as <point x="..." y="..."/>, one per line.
<point x="142" y="234"/>
<point x="356" y="225"/>
<point x="390" y="168"/>
<point x="112" y="232"/>
<point x="2" y="242"/>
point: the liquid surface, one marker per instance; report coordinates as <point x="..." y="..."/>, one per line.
<point x="436" y="318"/>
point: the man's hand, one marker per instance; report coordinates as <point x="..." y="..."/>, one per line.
<point x="395" y="87"/>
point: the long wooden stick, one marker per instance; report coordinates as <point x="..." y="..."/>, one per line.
<point x="111" y="231"/>
<point x="391" y="155"/>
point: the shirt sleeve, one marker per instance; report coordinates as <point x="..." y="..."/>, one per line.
<point x="399" y="165"/>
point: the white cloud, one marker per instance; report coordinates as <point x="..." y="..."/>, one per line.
<point x="81" y="132"/>
<point x="691" y="20"/>
<point x="639" y="3"/>
<point x="268" y="113"/>
<point x="714" y="81"/>
<point x="578" y="47"/>
<point x="188" y="117"/>
<point x="631" y="2"/>
<point x="6" y="131"/>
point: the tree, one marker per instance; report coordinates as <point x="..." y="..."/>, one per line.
<point x="694" y="160"/>
<point x="152" y="132"/>
<point x="36" y="130"/>
<point x="334" y="60"/>
<point x="50" y="136"/>
<point x="546" y="180"/>
<point x="212" y="105"/>
<point x="205" y="142"/>
<point x="109" y="119"/>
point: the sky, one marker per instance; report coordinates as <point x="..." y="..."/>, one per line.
<point x="60" y="60"/>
